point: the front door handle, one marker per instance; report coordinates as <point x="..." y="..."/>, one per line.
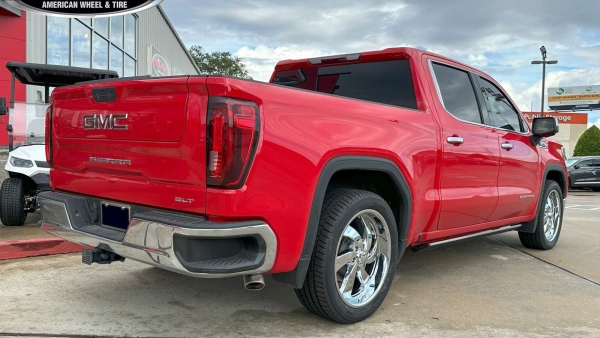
<point x="455" y="140"/>
<point x="507" y="146"/>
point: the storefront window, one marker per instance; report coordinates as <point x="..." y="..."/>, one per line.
<point x="129" y="66"/>
<point x="101" y="26"/>
<point x="116" y="60"/>
<point x="101" y="43"/>
<point x="80" y="44"/>
<point x="116" y="30"/>
<point x="86" y="21"/>
<point x="100" y="53"/>
<point x="130" y="35"/>
<point x="57" y="43"/>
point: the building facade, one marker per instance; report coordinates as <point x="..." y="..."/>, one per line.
<point x="571" y="127"/>
<point x="143" y="43"/>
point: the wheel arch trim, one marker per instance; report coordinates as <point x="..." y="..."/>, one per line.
<point x="529" y="227"/>
<point x="296" y="277"/>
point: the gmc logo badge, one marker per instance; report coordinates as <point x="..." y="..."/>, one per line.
<point x="110" y="121"/>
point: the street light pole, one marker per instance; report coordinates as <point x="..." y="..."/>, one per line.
<point x="543" y="62"/>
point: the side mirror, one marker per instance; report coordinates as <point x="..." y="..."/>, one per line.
<point x="577" y="166"/>
<point x="3" y="109"/>
<point x="543" y="127"/>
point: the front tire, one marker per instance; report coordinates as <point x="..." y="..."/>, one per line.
<point x="355" y="255"/>
<point x="548" y="219"/>
<point x="12" y="203"/>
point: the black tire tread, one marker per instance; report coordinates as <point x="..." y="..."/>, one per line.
<point x="312" y="294"/>
<point x="12" y="202"/>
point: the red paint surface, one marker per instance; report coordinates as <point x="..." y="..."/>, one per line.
<point x="12" y="40"/>
<point x="300" y="132"/>
<point x="36" y="247"/>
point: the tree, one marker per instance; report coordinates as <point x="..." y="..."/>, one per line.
<point x="223" y="63"/>
<point x="589" y="143"/>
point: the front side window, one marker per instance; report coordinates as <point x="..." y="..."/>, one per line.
<point x="585" y="164"/>
<point x="503" y="114"/>
<point x="458" y="95"/>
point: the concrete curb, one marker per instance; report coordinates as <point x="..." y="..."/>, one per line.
<point x="36" y="247"/>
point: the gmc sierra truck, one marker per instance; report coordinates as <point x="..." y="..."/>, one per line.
<point x="322" y="177"/>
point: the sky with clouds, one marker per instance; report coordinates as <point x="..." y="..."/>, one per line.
<point x="499" y="37"/>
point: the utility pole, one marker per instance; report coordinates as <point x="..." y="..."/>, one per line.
<point x="544" y="63"/>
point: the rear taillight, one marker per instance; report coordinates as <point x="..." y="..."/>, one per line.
<point x="49" y="135"/>
<point x="233" y="129"/>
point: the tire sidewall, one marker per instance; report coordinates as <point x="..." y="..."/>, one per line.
<point x="350" y="313"/>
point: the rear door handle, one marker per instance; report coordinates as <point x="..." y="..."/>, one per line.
<point x="455" y="140"/>
<point x="507" y="146"/>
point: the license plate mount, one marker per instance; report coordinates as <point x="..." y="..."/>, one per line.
<point x="115" y="215"/>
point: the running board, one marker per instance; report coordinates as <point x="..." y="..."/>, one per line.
<point x="433" y="245"/>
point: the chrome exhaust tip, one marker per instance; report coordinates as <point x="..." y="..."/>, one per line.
<point x="254" y="282"/>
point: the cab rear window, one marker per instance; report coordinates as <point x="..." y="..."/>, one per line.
<point x="387" y="82"/>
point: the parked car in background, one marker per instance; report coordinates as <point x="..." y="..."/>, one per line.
<point x="584" y="172"/>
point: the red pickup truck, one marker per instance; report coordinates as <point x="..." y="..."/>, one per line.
<point x="321" y="178"/>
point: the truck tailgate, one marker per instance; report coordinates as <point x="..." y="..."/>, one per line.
<point x="138" y="141"/>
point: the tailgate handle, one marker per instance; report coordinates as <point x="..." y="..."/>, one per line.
<point x="104" y="94"/>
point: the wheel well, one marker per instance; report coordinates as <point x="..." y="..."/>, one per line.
<point x="559" y="178"/>
<point x="28" y="182"/>
<point x="375" y="181"/>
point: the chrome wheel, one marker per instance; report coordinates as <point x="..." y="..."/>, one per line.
<point x="362" y="258"/>
<point x="552" y="211"/>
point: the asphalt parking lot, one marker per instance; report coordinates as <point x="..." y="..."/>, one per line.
<point x="485" y="287"/>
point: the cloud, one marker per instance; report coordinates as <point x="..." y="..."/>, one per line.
<point x="261" y="60"/>
<point x="499" y="37"/>
<point x="527" y="96"/>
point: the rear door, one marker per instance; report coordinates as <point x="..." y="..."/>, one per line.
<point x="584" y="172"/>
<point x="470" y="150"/>
<point x="518" y="176"/>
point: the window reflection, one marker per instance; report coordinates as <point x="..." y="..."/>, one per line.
<point x="129" y="67"/>
<point x="130" y="35"/>
<point x="101" y="26"/>
<point x="116" y="30"/>
<point x="100" y="53"/>
<point x="57" y="46"/>
<point x="85" y="42"/>
<point x="116" y="60"/>
<point x="80" y="45"/>
<point x="86" y="21"/>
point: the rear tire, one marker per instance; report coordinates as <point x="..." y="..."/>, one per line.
<point x="12" y="203"/>
<point x="548" y="219"/>
<point x="354" y="259"/>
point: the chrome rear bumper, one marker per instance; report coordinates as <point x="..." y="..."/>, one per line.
<point x="186" y="244"/>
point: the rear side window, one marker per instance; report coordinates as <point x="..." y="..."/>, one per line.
<point x="388" y="82"/>
<point x="458" y="95"/>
